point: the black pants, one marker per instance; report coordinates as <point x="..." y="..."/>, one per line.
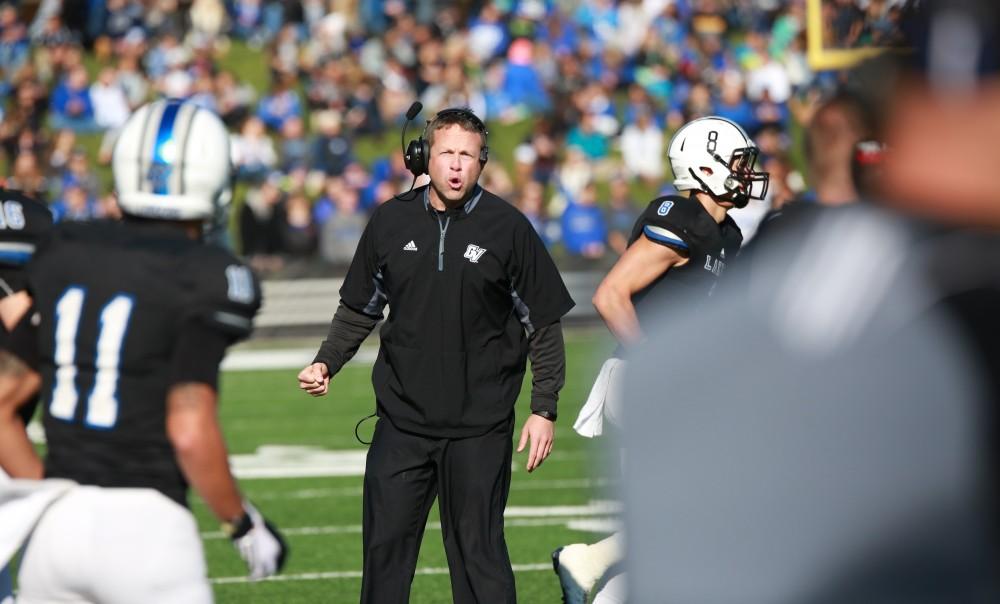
<point x="471" y="476"/>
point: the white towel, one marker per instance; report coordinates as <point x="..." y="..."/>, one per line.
<point x="22" y="503"/>
<point x="604" y="400"/>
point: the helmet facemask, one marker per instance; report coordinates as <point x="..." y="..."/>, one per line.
<point x="743" y="183"/>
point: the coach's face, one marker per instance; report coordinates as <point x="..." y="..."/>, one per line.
<point x="454" y="165"/>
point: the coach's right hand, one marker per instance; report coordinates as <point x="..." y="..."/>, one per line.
<point x="315" y="379"/>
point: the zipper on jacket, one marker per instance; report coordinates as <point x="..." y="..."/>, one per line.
<point x="443" y="228"/>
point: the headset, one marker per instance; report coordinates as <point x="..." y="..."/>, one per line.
<point x="418" y="151"/>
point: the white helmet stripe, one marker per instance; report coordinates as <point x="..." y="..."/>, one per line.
<point x="146" y="139"/>
<point x="185" y="120"/>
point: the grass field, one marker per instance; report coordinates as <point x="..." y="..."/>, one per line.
<point x="565" y="501"/>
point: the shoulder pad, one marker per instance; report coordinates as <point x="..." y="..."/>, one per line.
<point x="676" y="218"/>
<point x="224" y="292"/>
<point x="24" y="224"/>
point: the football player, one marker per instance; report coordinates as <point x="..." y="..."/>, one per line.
<point x="678" y="249"/>
<point x="135" y="317"/>
<point x="23" y="223"/>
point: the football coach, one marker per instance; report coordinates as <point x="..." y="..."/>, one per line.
<point x="472" y="293"/>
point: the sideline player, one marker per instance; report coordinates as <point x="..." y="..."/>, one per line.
<point x="678" y="249"/>
<point x="135" y="317"/>
<point x="23" y="223"/>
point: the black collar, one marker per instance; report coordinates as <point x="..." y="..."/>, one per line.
<point x="456" y="212"/>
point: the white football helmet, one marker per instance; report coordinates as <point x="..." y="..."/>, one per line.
<point x="726" y="151"/>
<point x="171" y="162"/>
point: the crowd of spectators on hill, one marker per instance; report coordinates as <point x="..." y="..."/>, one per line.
<point x="602" y="83"/>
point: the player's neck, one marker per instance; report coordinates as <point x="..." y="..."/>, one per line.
<point x="716" y="211"/>
<point x="192" y="229"/>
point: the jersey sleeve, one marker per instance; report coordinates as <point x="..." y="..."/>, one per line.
<point x="540" y="297"/>
<point x="669" y="221"/>
<point x="363" y="290"/>
<point x="25" y="224"/>
<point x="223" y="295"/>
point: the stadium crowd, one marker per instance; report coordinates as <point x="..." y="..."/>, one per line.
<point x="602" y="83"/>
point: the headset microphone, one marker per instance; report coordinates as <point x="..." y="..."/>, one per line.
<point x="414" y="109"/>
<point x="411" y="113"/>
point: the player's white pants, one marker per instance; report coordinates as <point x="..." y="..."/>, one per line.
<point x="613" y="591"/>
<point x="6" y="586"/>
<point x="114" y="546"/>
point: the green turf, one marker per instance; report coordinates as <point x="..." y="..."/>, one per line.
<point x="265" y="407"/>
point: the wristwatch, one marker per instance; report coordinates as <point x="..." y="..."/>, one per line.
<point x="549" y="415"/>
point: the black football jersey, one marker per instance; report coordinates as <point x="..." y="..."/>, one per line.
<point x="115" y="299"/>
<point x="684" y="224"/>
<point x="24" y="223"/>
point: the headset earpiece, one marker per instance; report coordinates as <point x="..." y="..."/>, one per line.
<point x="415" y="158"/>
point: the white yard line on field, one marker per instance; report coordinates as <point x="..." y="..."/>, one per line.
<point x="300" y="461"/>
<point x="534" y="485"/>
<point x="356" y="574"/>
<point x="599" y="513"/>
<point x="294" y="358"/>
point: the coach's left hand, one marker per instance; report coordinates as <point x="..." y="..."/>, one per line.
<point x="540" y="432"/>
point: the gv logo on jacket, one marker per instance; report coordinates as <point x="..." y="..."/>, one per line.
<point x="474" y="253"/>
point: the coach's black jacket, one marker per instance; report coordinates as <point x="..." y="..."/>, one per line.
<point x="463" y="288"/>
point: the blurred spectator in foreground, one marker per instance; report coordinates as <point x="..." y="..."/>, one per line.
<point x="836" y="127"/>
<point x="881" y="332"/>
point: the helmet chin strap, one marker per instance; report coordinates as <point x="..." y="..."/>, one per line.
<point x="732" y="193"/>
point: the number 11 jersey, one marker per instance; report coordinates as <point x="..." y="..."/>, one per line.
<point x="127" y="310"/>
